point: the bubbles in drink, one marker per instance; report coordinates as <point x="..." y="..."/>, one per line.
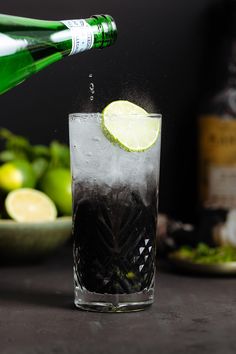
<point x="115" y="208"/>
<point x="96" y="138"/>
<point x="108" y="163"/>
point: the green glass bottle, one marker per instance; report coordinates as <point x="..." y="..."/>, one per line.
<point x="28" y="45"/>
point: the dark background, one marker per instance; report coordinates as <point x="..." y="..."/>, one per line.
<point x="160" y="61"/>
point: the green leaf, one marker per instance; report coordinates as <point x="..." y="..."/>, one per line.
<point x="41" y="151"/>
<point x="60" y="155"/>
<point x="40" y="165"/>
<point x="16" y="143"/>
<point x="8" y="155"/>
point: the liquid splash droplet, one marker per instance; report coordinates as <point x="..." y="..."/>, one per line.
<point x="91" y="88"/>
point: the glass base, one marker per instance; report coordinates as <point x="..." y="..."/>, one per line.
<point x="86" y="300"/>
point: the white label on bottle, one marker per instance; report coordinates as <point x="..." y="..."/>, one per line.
<point x="222" y="187"/>
<point x="82" y="35"/>
<point x="228" y="229"/>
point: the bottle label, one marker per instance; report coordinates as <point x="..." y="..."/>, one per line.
<point x="82" y="35"/>
<point x="217" y="162"/>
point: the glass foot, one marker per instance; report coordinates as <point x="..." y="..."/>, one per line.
<point x="89" y="301"/>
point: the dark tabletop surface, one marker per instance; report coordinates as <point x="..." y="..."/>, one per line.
<point x="190" y="315"/>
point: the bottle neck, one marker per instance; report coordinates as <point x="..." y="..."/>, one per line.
<point x="81" y="33"/>
<point x="224" y="28"/>
<point x="231" y="65"/>
<point x="221" y="98"/>
<point x="104" y="29"/>
<point x="98" y="31"/>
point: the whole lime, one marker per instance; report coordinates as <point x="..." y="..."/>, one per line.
<point x="16" y="174"/>
<point x="56" y="183"/>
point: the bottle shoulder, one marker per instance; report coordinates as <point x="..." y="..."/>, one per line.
<point x="9" y="23"/>
<point x="222" y="103"/>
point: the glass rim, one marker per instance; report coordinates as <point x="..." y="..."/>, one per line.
<point x="73" y="116"/>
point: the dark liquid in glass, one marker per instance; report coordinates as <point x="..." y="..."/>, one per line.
<point x="114" y="239"/>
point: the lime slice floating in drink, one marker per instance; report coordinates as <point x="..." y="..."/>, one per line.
<point x="30" y="205"/>
<point x="130" y="126"/>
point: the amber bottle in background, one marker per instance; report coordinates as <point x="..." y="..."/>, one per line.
<point x="217" y="143"/>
